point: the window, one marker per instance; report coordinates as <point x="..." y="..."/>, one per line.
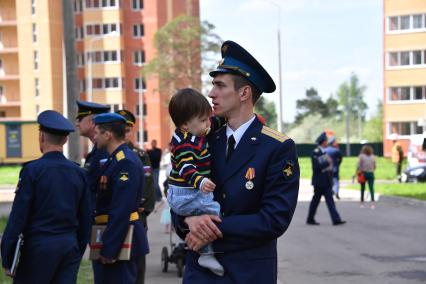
<point x="37" y="109"/>
<point x="393" y="23"/>
<point x="137" y="112"/>
<point x="417" y="21"/>
<point x="37" y="87"/>
<point x="405" y="58"/>
<point x="417" y="57"/>
<point x="137" y="5"/>
<point x="1" y="90"/>
<point x="101" y="3"/>
<point x="2" y="96"/>
<point x="78" y="6"/>
<point x="106" y="83"/>
<point x="145" y="136"/>
<point x="139" y="57"/>
<point x="1" y="64"/>
<point x="405" y="22"/>
<point x="393" y="59"/>
<point x="138" y="30"/>
<point x="79" y="33"/>
<point x="418" y="93"/>
<point x="34" y="33"/>
<point x="140" y="84"/>
<point x="405" y="94"/>
<point x="33" y="7"/>
<point x="418" y="129"/>
<point x="82" y="84"/>
<point x="35" y="60"/>
<point x="104" y="29"/>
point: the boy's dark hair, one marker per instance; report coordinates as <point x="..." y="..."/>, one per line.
<point x="118" y="129"/>
<point x="240" y="81"/>
<point x="186" y="104"/>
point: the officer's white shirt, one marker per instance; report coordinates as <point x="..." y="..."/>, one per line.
<point x="239" y="132"/>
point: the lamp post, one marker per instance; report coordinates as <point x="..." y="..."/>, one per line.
<point x="280" y="103"/>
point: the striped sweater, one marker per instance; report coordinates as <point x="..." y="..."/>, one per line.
<point x="190" y="157"/>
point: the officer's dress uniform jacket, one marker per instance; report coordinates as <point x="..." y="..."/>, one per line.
<point x="52" y="210"/>
<point x="257" y="190"/>
<point x="119" y="193"/>
<point x="94" y="160"/>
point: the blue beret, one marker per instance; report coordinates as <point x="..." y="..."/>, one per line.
<point x="53" y="122"/>
<point x="87" y="108"/>
<point x="237" y="60"/>
<point x="108" y="118"/>
<point x="321" y="138"/>
<point x="130" y="118"/>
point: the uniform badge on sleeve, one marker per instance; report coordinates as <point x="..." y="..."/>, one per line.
<point x="124" y="176"/>
<point x="288" y="169"/>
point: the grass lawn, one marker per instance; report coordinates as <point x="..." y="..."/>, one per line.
<point x="385" y="169"/>
<point x="9" y="175"/>
<point x="410" y="190"/>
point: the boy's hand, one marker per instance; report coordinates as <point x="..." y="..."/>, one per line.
<point x="207" y="186"/>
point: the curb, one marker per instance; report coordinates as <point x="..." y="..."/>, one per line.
<point x="402" y="200"/>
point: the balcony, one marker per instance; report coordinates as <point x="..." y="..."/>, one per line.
<point x="7" y="17"/>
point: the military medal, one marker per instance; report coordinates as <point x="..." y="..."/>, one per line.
<point x="250" y="174"/>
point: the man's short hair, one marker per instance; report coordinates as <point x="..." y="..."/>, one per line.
<point x="118" y="129"/>
<point x="186" y="104"/>
<point x="57" y="140"/>
<point x="240" y="81"/>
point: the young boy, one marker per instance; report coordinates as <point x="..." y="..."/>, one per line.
<point x="190" y="189"/>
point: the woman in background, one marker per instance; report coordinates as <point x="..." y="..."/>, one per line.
<point x="367" y="165"/>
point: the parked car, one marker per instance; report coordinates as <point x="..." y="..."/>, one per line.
<point x="414" y="174"/>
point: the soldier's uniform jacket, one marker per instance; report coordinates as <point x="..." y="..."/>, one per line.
<point x="52" y="210"/>
<point x="120" y="190"/>
<point x="321" y="169"/>
<point x="148" y="196"/>
<point x="257" y="190"/>
<point x="93" y="163"/>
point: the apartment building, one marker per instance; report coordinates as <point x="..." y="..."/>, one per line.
<point x="114" y="39"/>
<point x="404" y="72"/>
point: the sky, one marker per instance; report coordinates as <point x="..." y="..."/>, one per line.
<point x="322" y="43"/>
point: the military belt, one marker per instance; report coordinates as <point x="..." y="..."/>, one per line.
<point x="103" y="219"/>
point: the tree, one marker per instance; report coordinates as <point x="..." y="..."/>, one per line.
<point x="267" y="109"/>
<point x="313" y="104"/>
<point x="184" y="48"/>
<point x="373" y="130"/>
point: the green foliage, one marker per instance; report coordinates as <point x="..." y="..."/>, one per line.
<point x="267" y="109"/>
<point x="385" y="169"/>
<point x="184" y="48"/>
<point x="351" y="97"/>
<point x="373" y="128"/>
<point x="313" y="104"/>
<point x="9" y="175"/>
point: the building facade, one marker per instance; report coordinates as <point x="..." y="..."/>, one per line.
<point x="114" y="38"/>
<point x="404" y="72"/>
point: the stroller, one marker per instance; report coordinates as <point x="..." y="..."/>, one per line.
<point x="177" y="255"/>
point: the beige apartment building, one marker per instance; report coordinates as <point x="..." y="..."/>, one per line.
<point x="114" y="38"/>
<point x="404" y="72"/>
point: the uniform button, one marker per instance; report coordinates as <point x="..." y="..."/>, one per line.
<point x="224" y="195"/>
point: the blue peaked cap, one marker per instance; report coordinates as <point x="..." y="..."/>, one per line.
<point x="108" y="118"/>
<point x="53" y="122"/>
<point x="321" y="138"/>
<point x="88" y="108"/>
<point x="237" y="60"/>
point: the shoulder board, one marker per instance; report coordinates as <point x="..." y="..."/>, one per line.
<point x="120" y="155"/>
<point x="274" y="134"/>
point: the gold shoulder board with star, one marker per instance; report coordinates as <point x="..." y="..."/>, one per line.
<point x="120" y="155"/>
<point x="274" y="134"/>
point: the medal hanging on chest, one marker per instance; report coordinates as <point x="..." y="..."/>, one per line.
<point x="250" y="175"/>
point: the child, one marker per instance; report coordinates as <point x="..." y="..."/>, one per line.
<point x="190" y="189"/>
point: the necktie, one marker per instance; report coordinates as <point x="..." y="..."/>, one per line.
<point x="230" y="148"/>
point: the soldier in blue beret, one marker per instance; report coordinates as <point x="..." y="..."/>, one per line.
<point x="322" y="180"/>
<point x="52" y="215"/>
<point x="148" y="198"/>
<point x="119" y="191"/>
<point x="256" y="173"/>
<point x="96" y="157"/>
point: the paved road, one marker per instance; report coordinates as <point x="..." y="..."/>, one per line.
<point x="385" y="245"/>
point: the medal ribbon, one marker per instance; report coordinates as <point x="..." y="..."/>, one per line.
<point x="250" y="174"/>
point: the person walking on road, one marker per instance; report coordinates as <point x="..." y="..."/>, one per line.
<point x="397" y="158"/>
<point x="51" y="210"/>
<point x="366" y="166"/>
<point x="336" y="156"/>
<point x="155" y="156"/>
<point x="322" y="180"/>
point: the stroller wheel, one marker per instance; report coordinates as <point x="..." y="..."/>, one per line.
<point x="164" y="259"/>
<point x="179" y="266"/>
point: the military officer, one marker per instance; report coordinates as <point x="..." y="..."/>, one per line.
<point x="95" y="158"/>
<point x="148" y="198"/>
<point x="256" y="173"/>
<point x="322" y="180"/>
<point x="51" y="209"/>
<point x="120" y="190"/>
